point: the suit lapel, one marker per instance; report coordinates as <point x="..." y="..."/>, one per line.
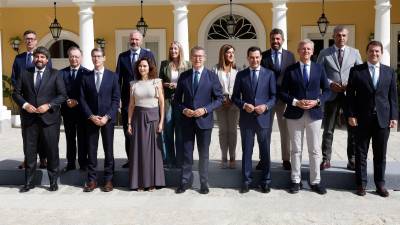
<point x="299" y="75"/>
<point x="45" y="79"/>
<point x="334" y="58"/>
<point x="204" y="73"/>
<point x="260" y="80"/>
<point x="346" y="56"/>
<point x="269" y="59"/>
<point x="381" y="77"/>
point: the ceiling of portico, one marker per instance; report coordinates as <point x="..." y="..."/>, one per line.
<point x="61" y="3"/>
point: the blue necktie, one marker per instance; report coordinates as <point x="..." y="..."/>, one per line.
<point x="195" y="81"/>
<point x="254" y="80"/>
<point x="305" y="75"/>
<point x="72" y="75"/>
<point x="277" y="66"/>
<point x="29" y="60"/>
<point x="38" y="80"/>
<point x="374" y="77"/>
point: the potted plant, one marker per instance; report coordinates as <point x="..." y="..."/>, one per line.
<point x="7" y="91"/>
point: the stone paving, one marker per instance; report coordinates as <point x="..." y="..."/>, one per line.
<point x="70" y="206"/>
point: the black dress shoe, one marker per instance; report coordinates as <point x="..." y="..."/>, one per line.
<point x="286" y="165"/>
<point x="318" y="188"/>
<point x="260" y="166"/>
<point x="265" y="188"/>
<point x="43" y="164"/>
<point x="126" y="165"/>
<point x="26" y="188"/>
<point x="361" y="191"/>
<point x="381" y="191"/>
<point x="204" y="189"/>
<point x="244" y="188"/>
<point x="53" y="187"/>
<point x="295" y="188"/>
<point x="69" y="168"/>
<point x="180" y="190"/>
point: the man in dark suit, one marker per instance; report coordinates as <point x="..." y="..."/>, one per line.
<point x="99" y="99"/>
<point x="125" y="65"/>
<point x="40" y="91"/>
<point x="197" y="95"/>
<point x="304" y="89"/>
<point x="278" y="59"/>
<point x="254" y="94"/>
<point x="373" y="106"/>
<point x="22" y="62"/>
<point x="74" y="122"/>
<point x="337" y="61"/>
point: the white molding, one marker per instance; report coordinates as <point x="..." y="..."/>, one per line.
<point x="152" y="35"/>
<point x="306" y="31"/>
<point x="394" y="31"/>
<point x="48" y="40"/>
<point x="238" y="10"/>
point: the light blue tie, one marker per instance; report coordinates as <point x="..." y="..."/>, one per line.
<point x="305" y="75"/>
<point x="374" y="77"/>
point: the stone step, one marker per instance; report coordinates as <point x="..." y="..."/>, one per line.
<point x="337" y="177"/>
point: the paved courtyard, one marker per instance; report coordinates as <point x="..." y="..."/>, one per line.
<point x="70" y="206"/>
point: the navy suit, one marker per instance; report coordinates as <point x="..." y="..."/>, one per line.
<point x="253" y="123"/>
<point x="126" y="74"/>
<point x="208" y="96"/>
<point x="293" y="87"/>
<point x="74" y="121"/>
<point x="102" y="103"/>
<point x="40" y="126"/>
<point x="373" y="109"/>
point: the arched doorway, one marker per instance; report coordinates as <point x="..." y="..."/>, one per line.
<point x="249" y="31"/>
<point x="58" y="49"/>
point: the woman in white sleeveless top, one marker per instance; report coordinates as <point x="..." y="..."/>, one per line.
<point x="228" y="113"/>
<point x="145" y="124"/>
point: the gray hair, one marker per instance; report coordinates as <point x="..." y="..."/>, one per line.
<point x="196" y="49"/>
<point x="304" y="42"/>
<point x="339" y="28"/>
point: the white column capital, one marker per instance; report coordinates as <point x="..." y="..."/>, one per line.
<point x="179" y="3"/>
<point x="85" y="6"/>
<point x="279" y="5"/>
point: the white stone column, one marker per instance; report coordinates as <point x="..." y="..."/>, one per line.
<point x="279" y="18"/>
<point x="382" y="27"/>
<point x="181" y="30"/>
<point x="5" y="115"/>
<point x="86" y="30"/>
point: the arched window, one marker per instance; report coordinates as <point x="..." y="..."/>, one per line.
<point x="244" y="29"/>
<point x="59" y="48"/>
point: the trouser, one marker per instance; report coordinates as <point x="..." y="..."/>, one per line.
<point x="228" y="118"/>
<point x="279" y="110"/>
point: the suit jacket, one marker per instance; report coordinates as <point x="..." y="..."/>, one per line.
<point x="286" y="60"/>
<point x="363" y="99"/>
<point x="328" y="59"/>
<point x="265" y="94"/>
<point x="293" y="87"/>
<point x="126" y="74"/>
<point x="51" y="91"/>
<point x="20" y="64"/>
<point x="165" y="75"/>
<point x="208" y="96"/>
<point x="73" y="88"/>
<point x="106" y="102"/>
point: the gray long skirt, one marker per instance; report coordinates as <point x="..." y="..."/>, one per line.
<point x="145" y="162"/>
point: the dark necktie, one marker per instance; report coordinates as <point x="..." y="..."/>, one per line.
<point x="254" y="80"/>
<point x="277" y="66"/>
<point x="38" y="80"/>
<point x="195" y="81"/>
<point x="29" y="60"/>
<point x="305" y="75"/>
<point x="340" y="57"/>
<point x="72" y="75"/>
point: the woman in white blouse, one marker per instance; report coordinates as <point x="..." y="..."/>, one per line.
<point x="145" y="124"/>
<point x="228" y="113"/>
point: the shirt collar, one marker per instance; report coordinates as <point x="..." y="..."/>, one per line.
<point x="256" y="69"/>
<point x="42" y="70"/>
<point x="337" y="49"/>
<point x="378" y="65"/>
<point x="273" y="51"/>
<point x="137" y="51"/>
<point x="76" y="68"/>
<point x="101" y="71"/>
<point x="302" y="64"/>
<point x="200" y="70"/>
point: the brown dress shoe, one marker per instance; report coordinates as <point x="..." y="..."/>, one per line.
<point x="326" y="164"/>
<point x="43" y="164"/>
<point x="286" y="165"/>
<point x="381" y="191"/>
<point x="108" y="186"/>
<point x="360" y="191"/>
<point x="89" y="187"/>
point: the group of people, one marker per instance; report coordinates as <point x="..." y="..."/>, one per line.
<point x="164" y="113"/>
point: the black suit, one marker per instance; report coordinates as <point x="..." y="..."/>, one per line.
<point x="102" y="103"/>
<point x="287" y="59"/>
<point x="373" y="109"/>
<point x="45" y="126"/>
<point x="74" y="121"/>
<point x="126" y="75"/>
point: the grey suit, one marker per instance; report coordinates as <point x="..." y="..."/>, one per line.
<point x="328" y="58"/>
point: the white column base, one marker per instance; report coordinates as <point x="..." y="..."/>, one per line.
<point x="5" y="119"/>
